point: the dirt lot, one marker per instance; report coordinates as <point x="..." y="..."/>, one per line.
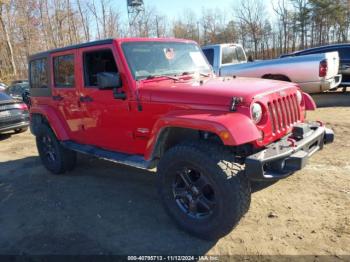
<point x="104" y="208"/>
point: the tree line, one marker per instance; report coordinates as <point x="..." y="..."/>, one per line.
<point x="30" y="26"/>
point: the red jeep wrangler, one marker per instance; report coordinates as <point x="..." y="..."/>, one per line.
<point x="154" y="103"/>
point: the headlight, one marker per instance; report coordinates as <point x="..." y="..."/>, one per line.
<point x="299" y="97"/>
<point x="256" y="112"/>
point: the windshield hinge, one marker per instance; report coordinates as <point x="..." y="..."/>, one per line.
<point x="139" y="106"/>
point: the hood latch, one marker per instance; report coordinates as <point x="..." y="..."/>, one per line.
<point x="235" y="102"/>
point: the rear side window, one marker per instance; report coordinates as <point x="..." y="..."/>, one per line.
<point x="240" y="54"/>
<point x="38" y="73"/>
<point x="63" y="67"/>
<point x="228" y="54"/>
<point x="209" y="53"/>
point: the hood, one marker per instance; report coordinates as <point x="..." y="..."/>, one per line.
<point x="213" y="91"/>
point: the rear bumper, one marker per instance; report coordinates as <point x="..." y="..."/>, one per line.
<point x="281" y="159"/>
<point x="320" y="86"/>
<point x="15" y="126"/>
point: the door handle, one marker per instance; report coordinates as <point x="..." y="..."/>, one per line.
<point x="85" y="99"/>
<point x="57" y="98"/>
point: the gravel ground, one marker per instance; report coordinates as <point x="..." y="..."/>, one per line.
<point x="105" y="208"/>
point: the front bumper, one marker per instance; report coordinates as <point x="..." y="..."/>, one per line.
<point x="291" y="153"/>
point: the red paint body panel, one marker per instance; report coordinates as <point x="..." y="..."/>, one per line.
<point x="240" y="127"/>
<point x="56" y="124"/>
<point x="201" y="104"/>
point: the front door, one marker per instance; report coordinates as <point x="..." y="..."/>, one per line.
<point x="65" y="93"/>
<point x="106" y="121"/>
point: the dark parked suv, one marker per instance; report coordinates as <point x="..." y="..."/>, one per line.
<point x="344" y="55"/>
<point x="14" y="115"/>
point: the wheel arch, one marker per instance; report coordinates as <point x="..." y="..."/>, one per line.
<point x="280" y="77"/>
<point x="172" y="135"/>
<point x="47" y="116"/>
<point x="230" y="130"/>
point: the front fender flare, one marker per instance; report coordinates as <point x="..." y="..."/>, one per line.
<point x="240" y="127"/>
<point x="309" y="102"/>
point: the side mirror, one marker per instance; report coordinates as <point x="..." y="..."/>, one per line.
<point x="108" y="80"/>
<point x="250" y="58"/>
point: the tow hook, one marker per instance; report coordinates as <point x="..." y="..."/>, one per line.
<point x="292" y="142"/>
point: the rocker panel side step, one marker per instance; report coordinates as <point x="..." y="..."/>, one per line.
<point x="116" y="157"/>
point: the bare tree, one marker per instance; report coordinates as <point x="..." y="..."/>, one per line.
<point x="7" y="38"/>
<point x="250" y="14"/>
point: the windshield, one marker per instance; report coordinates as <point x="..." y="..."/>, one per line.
<point x="150" y="59"/>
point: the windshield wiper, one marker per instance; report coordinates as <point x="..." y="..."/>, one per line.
<point x="159" y="76"/>
<point x="191" y="73"/>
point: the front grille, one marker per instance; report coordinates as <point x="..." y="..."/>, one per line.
<point x="284" y="112"/>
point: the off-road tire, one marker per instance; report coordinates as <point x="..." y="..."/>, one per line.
<point x="65" y="159"/>
<point x="231" y="186"/>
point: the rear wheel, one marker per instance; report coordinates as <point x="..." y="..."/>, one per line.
<point x="203" y="189"/>
<point x="21" y="130"/>
<point x="53" y="155"/>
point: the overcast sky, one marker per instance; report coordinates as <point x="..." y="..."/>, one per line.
<point x="174" y="8"/>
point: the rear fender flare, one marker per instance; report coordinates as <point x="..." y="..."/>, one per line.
<point x="53" y="120"/>
<point x="240" y="127"/>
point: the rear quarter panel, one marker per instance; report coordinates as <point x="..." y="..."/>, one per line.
<point x="56" y="124"/>
<point x="298" y="69"/>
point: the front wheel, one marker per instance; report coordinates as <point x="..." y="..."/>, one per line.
<point x="53" y="155"/>
<point x="203" y="189"/>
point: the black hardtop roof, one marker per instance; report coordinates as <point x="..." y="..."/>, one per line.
<point x="66" y="48"/>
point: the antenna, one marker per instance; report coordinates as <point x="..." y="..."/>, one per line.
<point x="135" y="9"/>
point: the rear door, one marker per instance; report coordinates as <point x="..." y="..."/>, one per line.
<point x="64" y="92"/>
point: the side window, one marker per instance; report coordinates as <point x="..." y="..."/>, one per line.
<point x="38" y="73"/>
<point x="228" y="55"/>
<point x="63" y="67"/>
<point x="209" y="53"/>
<point x="240" y="54"/>
<point x="96" y="62"/>
<point x="344" y="53"/>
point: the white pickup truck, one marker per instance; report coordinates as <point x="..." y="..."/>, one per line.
<point x="314" y="73"/>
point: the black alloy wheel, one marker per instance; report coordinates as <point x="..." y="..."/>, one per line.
<point x="193" y="193"/>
